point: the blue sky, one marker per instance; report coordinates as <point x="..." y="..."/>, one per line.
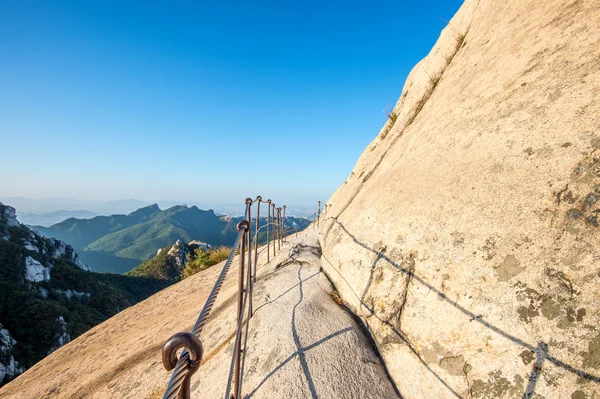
<point x="200" y="101"/>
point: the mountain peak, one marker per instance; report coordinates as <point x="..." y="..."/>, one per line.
<point x="145" y="211"/>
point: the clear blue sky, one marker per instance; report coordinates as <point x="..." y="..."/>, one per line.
<point x="208" y="101"/>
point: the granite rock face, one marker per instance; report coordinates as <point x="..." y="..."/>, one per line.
<point x="35" y="271"/>
<point x="10" y="216"/>
<point x="179" y="252"/>
<point x="466" y="236"/>
<point x="63" y="250"/>
<point x="9" y="367"/>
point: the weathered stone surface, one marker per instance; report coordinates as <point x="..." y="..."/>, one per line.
<point x="467" y="234"/>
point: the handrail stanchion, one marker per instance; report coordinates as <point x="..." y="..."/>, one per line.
<point x="319" y="214"/>
<point x="268" y="230"/>
<point x="241" y="291"/>
<point x="283" y="223"/>
<point x="259" y="199"/>
<point x="279" y="229"/>
<point x="250" y="283"/>
<point x="274" y="228"/>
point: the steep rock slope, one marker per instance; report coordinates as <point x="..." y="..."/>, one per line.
<point x="467" y="234"/>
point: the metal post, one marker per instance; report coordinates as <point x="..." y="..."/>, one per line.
<point x="259" y="199"/>
<point x="238" y="347"/>
<point x="319" y="214"/>
<point x="279" y="229"/>
<point x="283" y="223"/>
<point x="250" y="283"/>
<point x="274" y="229"/>
<point x="268" y="230"/>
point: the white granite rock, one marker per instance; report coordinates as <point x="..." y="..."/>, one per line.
<point x="35" y="271"/>
<point x="179" y="251"/>
<point x="64" y="250"/>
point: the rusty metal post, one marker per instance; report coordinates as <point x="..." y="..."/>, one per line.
<point x="268" y="230"/>
<point x="283" y="223"/>
<point x="319" y="214"/>
<point x="274" y="229"/>
<point x="250" y="282"/>
<point x="259" y="199"/>
<point x="279" y="229"/>
<point x="238" y="349"/>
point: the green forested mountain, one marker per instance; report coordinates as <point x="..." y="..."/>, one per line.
<point x="81" y="232"/>
<point x="142" y="240"/>
<point x="48" y="296"/>
<point x="118" y="243"/>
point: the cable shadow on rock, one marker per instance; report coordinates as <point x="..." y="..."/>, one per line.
<point x="541" y="354"/>
<point x="472" y="317"/>
<point x="284" y="293"/>
<point x="300" y="350"/>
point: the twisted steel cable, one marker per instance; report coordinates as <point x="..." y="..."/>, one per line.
<point x="235" y="345"/>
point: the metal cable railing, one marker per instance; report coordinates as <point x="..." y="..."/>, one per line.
<point x="191" y="356"/>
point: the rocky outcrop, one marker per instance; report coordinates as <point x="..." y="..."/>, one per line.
<point x="63" y="250"/>
<point x="9" y="367"/>
<point x="179" y="253"/>
<point x="44" y="251"/>
<point x="35" y="271"/>
<point x="9" y="215"/>
<point x="466" y="235"/>
<point x="170" y="262"/>
<point x="194" y="245"/>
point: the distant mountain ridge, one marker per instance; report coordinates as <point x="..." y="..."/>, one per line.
<point x="118" y="243"/>
<point x="48" y="219"/>
<point x="51" y="204"/>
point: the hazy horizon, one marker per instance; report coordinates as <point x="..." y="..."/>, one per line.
<point x="30" y="208"/>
